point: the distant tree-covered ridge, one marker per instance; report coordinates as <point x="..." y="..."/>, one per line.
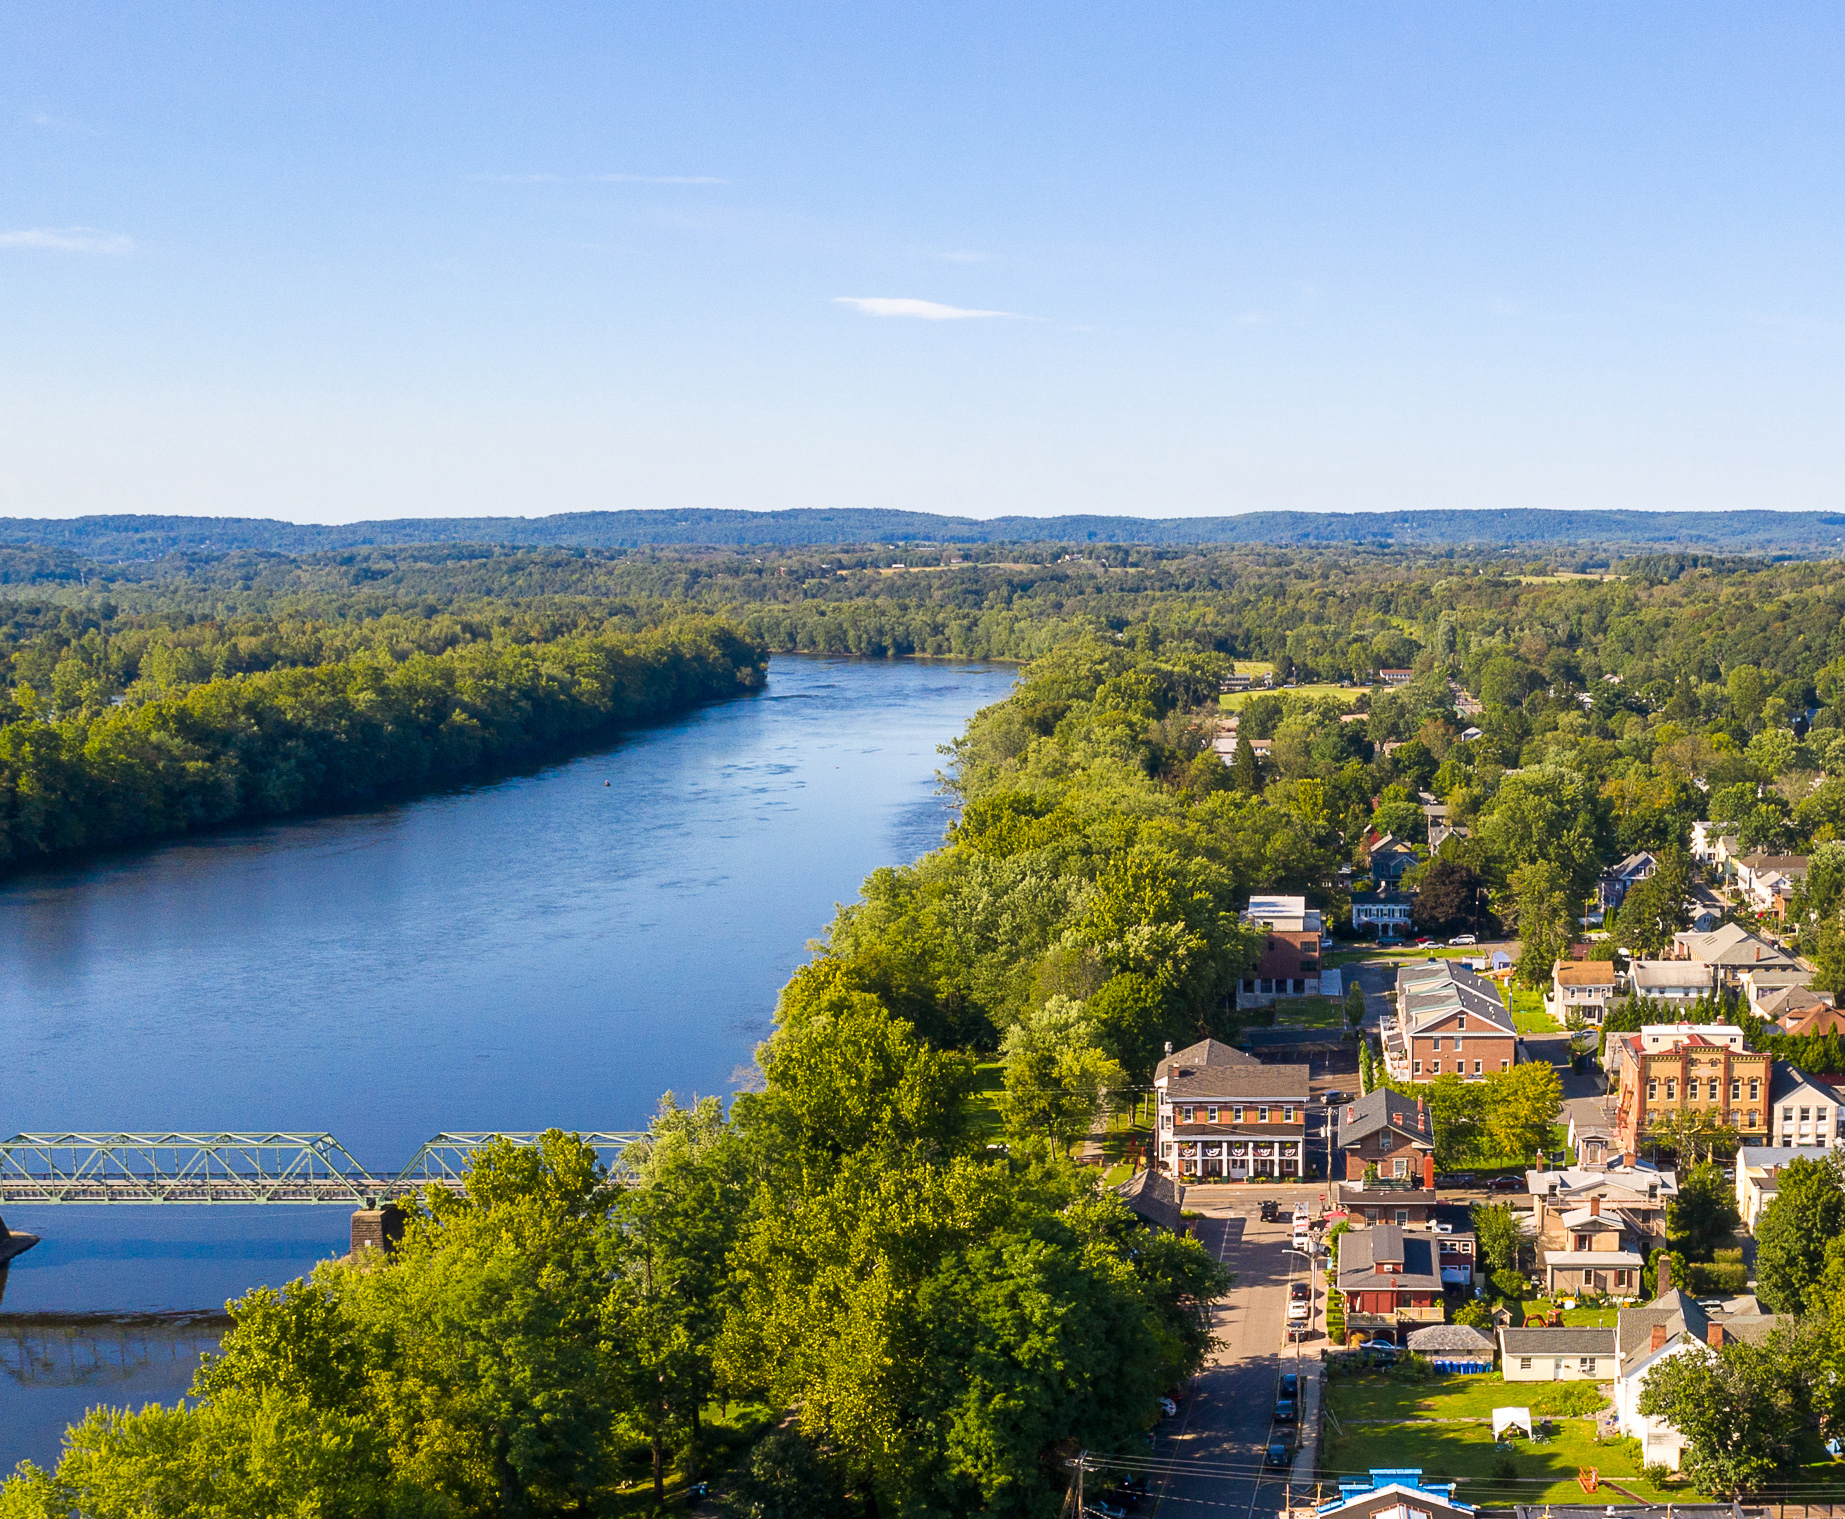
<point x="140" y="537"/>
<point x="161" y="728"/>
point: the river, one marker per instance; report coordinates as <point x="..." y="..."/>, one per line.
<point x="556" y="946"/>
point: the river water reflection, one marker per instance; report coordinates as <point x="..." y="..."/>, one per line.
<point x="554" y="947"/>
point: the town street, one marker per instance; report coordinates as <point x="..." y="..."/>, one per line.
<point x="1213" y="1451"/>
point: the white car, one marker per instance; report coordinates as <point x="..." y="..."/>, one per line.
<point x="1168" y="1408"/>
<point x="1460" y="940"/>
<point x="1298" y="1312"/>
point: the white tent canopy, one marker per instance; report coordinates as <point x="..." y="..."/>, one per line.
<point x="1511" y="1418"/>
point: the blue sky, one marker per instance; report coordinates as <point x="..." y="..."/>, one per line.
<point x="329" y="263"/>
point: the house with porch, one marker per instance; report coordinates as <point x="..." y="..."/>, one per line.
<point x="1637" y="1193"/>
<point x="1730" y="949"/>
<point x="1586" y="1250"/>
<point x="1227" y="1116"/>
<point x="1390" y="1280"/>
<point x="1586" y="988"/>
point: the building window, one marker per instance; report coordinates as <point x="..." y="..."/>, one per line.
<point x="1787" y="1115"/>
<point x="1476" y="1068"/>
<point x="1735" y="1091"/>
<point x="1586" y="1366"/>
<point x="1671" y="1089"/>
<point x="1385" y="1141"/>
<point x="1620" y="1279"/>
<point x="1402" y="1217"/>
<point x="1806" y="1115"/>
<point x="1461" y="1023"/>
<point x="1755" y="1091"/>
<point x="1417" y="1068"/>
<point x="1212" y="1113"/>
<point x="1652" y="1091"/>
<point x="1401" y="1167"/>
<point x="1437" y="1044"/>
<point x="1287" y="1115"/>
<point x="1261" y="1115"/>
<point x="1187" y="1116"/>
<point x="1524" y="1363"/>
<point x="1505" y="1065"/>
<point x="1755" y="1119"/>
<point x="1435" y="1068"/>
<point x="1236" y="1114"/>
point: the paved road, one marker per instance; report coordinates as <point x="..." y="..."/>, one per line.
<point x="1216" y="1446"/>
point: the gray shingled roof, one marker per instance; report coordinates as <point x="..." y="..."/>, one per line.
<point x="1206" y="1052"/>
<point x="1375" y="1110"/>
<point x="1463" y="1338"/>
<point x="1277" y="1083"/>
<point x="1554" y="1342"/>
<point x="1155" y="1197"/>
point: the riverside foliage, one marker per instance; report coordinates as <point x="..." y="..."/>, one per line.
<point x="162" y="729"/>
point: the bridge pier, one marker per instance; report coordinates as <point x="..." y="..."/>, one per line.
<point x="377" y="1228"/>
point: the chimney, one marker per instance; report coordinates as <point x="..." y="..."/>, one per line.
<point x="1422" y="1117"/>
<point x="1714" y="1333"/>
<point x="1168" y="1046"/>
<point x="1628" y="1158"/>
<point x="1595" y="1207"/>
<point x="1428" y="1172"/>
<point x="1665" y="1282"/>
<point x="1659" y="1334"/>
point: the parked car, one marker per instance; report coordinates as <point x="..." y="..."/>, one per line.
<point x="1168" y="1408"/>
<point x="1299" y="1312"/>
<point x="1103" y="1507"/>
<point x="1301" y="1292"/>
<point x="1378" y="1347"/>
<point x="1271" y="1211"/>
<point x="1280" y="1453"/>
<point x="1290" y="1385"/>
<point x="1460" y="940"/>
<point x="1285" y="1411"/>
<point x="1332" y="1098"/>
<point x="1506" y="1184"/>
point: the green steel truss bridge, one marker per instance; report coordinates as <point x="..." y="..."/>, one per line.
<point x="240" y="1168"/>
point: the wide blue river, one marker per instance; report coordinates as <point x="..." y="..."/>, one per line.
<point x="558" y="946"/>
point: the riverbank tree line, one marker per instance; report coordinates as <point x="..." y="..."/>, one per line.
<point x="118" y="728"/>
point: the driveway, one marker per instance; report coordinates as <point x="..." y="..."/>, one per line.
<point x="1213" y="1452"/>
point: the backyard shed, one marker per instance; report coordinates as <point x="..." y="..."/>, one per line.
<point x="1454" y="1347"/>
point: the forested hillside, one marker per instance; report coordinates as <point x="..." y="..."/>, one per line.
<point x="1745" y="531"/>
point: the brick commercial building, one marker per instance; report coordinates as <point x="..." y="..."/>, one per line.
<point x="1693" y="1074"/>
<point x="1289" y="965"/>
<point x="1448" y="1021"/>
<point x="1229" y="1116"/>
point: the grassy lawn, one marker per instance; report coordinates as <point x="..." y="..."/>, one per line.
<point x="983" y="1101"/>
<point x="1383" y="1397"/>
<point x="1542" y="1471"/>
<point x="1309" y="1012"/>
<point x="1344" y="695"/>
<point x="1528" y="1011"/>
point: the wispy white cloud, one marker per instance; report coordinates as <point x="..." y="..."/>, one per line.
<point x="655" y="179"/>
<point x="68" y="240"/>
<point x="926" y="311"/>
<point x="46" y="122"/>
<point x="599" y="179"/>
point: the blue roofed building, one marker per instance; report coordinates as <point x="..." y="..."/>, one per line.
<point x="1396" y="1492"/>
